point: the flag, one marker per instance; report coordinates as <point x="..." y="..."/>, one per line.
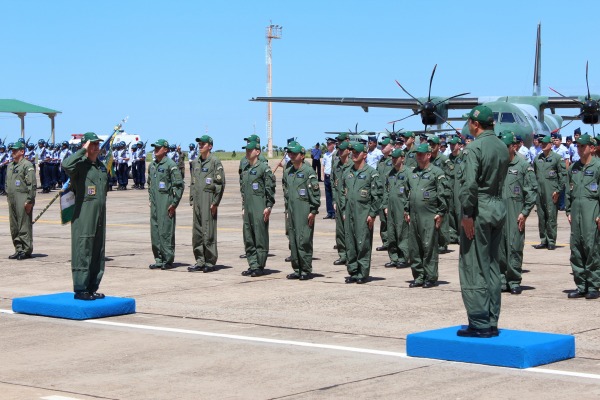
<point x="67" y="203"/>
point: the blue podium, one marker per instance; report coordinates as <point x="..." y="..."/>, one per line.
<point x="516" y="349"/>
<point x="63" y="305"/>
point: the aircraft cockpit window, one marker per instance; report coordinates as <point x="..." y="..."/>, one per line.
<point x="496" y="116"/>
<point x="507" y="118"/>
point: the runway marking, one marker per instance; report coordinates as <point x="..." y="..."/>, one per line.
<point x="538" y="370"/>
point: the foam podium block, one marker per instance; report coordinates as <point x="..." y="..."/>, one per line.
<point x="63" y="305"/>
<point x="516" y="349"/>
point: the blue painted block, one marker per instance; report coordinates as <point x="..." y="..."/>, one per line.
<point x="63" y="305"/>
<point x="516" y="349"/>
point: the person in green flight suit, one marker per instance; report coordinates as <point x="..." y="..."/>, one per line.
<point x="443" y="162"/>
<point x="244" y="162"/>
<point x="410" y="155"/>
<point x="519" y="194"/>
<point x="583" y="213"/>
<point x="483" y="214"/>
<point x="456" y="156"/>
<point x="361" y="202"/>
<point x="550" y="173"/>
<point x="257" y="184"/>
<point x="206" y="192"/>
<point x="394" y="203"/>
<point x="303" y="198"/>
<point x="341" y="164"/>
<point x="89" y="182"/>
<point x="165" y="189"/>
<point x="425" y="209"/>
<point x="21" y="186"/>
<point x="384" y="166"/>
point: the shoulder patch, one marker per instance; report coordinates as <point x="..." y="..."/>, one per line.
<point x="441" y="176"/>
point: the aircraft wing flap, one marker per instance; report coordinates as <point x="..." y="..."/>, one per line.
<point x="366" y="102"/>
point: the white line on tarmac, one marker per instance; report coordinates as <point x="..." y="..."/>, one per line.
<point x="307" y="344"/>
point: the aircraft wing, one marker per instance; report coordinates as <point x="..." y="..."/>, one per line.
<point x="367" y="102"/>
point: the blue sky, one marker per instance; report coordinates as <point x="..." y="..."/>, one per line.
<point x="181" y="68"/>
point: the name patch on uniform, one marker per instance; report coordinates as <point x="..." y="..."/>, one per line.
<point x="302" y="192"/>
<point x="364" y="193"/>
<point x="253" y="172"/>
<point x="517" y="190"/>
<point x="161" y="170"/>
<point x="361" y="176"/>
<point x="204" y="169"/>
<point x="300" y="175"/>
<point x="208" y="181"/>
<point x="91" y="190"/>
<point x="426" y="195"/>
<point x="552" y="173"/>
<point x="255" y="185"/>
<point x="588" y="173"/>
<point x="425" y="176"/>
<point x="17" y="183"/>
<point x="594" y="187"/>
<point x="161" y="185"/>
<point x="401" y="189"/>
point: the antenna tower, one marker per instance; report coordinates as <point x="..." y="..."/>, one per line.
<point x="273" y="32"/>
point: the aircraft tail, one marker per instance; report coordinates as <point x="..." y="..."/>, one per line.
<point x="537" y="70"/>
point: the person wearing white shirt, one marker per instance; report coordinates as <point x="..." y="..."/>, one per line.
<point x="327" y="161"/>
<point x="535" y="148"/>
<point x="522" y="150"/>
<point x="373" y="154"/>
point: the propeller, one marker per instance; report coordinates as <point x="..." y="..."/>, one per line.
<point x="427" y="109"/>
<point x="393" y="134"/>
<point x="590" y="108"/>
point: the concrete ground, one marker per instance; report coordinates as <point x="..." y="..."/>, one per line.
<point x="222" y="335"/>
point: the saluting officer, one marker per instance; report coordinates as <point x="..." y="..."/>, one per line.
<point x="550" y="173"/>
<point x="342" y="163"/>
<point x="384" y="166"/>
<point x="257" y="184"/>
<point x="483" y="214"/>
<point x="89" y="180"/>
<point x="425" y="210"/>
<point x="361" y="202"/>
<point x="165" y="188"/>
<point x="206" y="192"/>
<point x="519" y="194"/>
<point x="21" y="186"/>
<point x="583" y="213"/>
<point x="303" y="198"/>
<point x="394" y="203"/>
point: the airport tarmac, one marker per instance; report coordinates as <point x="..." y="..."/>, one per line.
<point x="225" y="336"/>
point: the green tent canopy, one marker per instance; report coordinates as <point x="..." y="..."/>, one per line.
<point x="20" y="108"/>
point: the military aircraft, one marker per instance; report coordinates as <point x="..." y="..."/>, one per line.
<point x="524" y="115"/>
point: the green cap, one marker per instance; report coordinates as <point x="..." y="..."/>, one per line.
<point x="435" y="139"/>
<point x="204" y="139"/>
<point x="423" y="148"/>
<point x="597" y="139"/>
<point x="397" y="153"/>
<point x="342" y="137"/>
<point x="385" y="141"/>
<point x="160" y="143"/>
<point x="253" y="138"/>
<point x="481" y="114"/>
<point x="90" y="136"/>
<point x="585" y="139"/>
<point x="291" y="144"/>
<point x="546" y="139"/>
<point x="252" y="146"/>
<point x="408" y="134"/>
<point x="296" y="148"/>
<point x="508" y="137"/>
<point x="18" y="146"/>
<point x="344" y="145"/>
<point x="360" y="147"/>
<point x="454" y="140"/>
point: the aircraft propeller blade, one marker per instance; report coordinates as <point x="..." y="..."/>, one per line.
<point x="402" y="119"/>
<point x="446" y="121"/>
<point x="430" y="82"/>
<point x="586" y="80"/>
<point x="562" y="95"/>
<point x="405" y="91"/>
<point x="450" y="98"/>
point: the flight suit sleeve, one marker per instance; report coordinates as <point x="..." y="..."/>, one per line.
<point x="562" y="174"/>
<point x="71" y="163"/>
<point x="469" y="189"/>
<point x="442" y="188"/>
<point x="192" y="188"/>
<point x="269" y="187"/>
<point x="529" y="191"/>
<point x="219" y="183"/>
<point x="177" y="185"/>
<point x="343" y="193"/>
<point x="284" y="186"/>
<point x="568" y="191"/>
<point x="31" y="182"/>
<point x="386" y="194"/>
<point x="314" y="194"/>
<point x="376" y="195"/>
